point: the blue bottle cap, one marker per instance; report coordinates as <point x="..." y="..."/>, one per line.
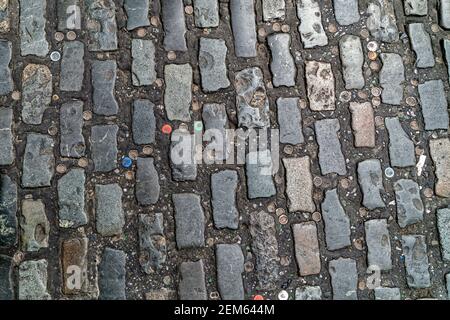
<point x="126" y="162"/>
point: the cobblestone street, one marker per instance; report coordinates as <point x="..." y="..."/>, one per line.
<point x="349" y="198"/>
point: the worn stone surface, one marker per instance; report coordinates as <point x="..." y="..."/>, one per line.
<point x="32" y="28"/>
<point x="112" y="275"/>
<point x="74" y="265"/>
<point x="282" y="65"/>
<point x="421" y="44"/>
<point x="299" y="184"/>
<point x="34" y="226"/>
<point x="103" y="75"/>
<point x="72" y="142"/>
<point x="33" y="280"/>
<point x="230" y="266"/>
<point x="447" y="280"/>
<point x="416" y="261"/>
<point x="409" y="204"/>
<point x="273" y="9"/>
<point x="265" y="248"/>
<point x="385" y="293"/>
<point x="137" y="13"/>
<point x="71" y="189"/>
<point x="401" y="148"/>
<point x="307" y="251"/>
<point x="378" y="244"/>
<point x="36" y="92"/>
<point x="337" y="223"/>
<point x="392" y="77"/>
<point x="143" y="67"/>
<point x="143" y="122"/>
<point x="109" y="212"/>
<point x="443" y="224"/>
<point x="447" y="55"/>
<point x="444" y="10"/>
<point x="104" y="147"/>
<point x="346" y="11"/>
<point x="258" y="168"/>
<point x="189" y="221"/>
<point x="434" y="105"/>
<point x="147" y="182"/>
<point x="101" y="25"/>
<point x="152" y="242"/>
<point x="320" y="86"/>
<point x="8" y="210"/>
<point x="371" y="182"/>
<point x="251" y="99"/>
<point x="363" y="124"/>
<point x="5" y="21"/>
<point x="215" y="122"/>
<point x="6" y="279"/>
<point x="308" y="293"/>
<point x="6" y="80"/>
<point x="38" y="161"/>
<point x="206" y="13"/>
<point x="192" y="281"/>
<point x="416" y="7"/>
<point x="344" y="278"/>
<point x="381" y="21"/>
<point x="161" y="294"/>
<point x="439" y="150"/>
<point x="212" y="63"/>
<point x="69" y="14"/>
<point x="174" y="25"/>
<point x="331" y="158"/>
<point x="244" y="29"/>
<point x="352" y="58"/>
<point x="290" y="120"/>
<point x="182" y="159"/>
<point x="310" y="28"/>
<point x="223" y="199"/>
<point x="178" y="93"/>
<point x="72" y="66"/>
<point x="7" y="150"/>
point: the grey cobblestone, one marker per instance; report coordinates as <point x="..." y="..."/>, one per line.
<point x="378" y="244"/>
<point x="71" y="190"/>
<point x="310" y="28"/>
<point x="381" y="20"/>
<point x="103" y="74"/>
<point x="72" y="142"/>
<point x="33" y="277"/>
<point x="8" y="210"/>
<point x="290" y="120"/>
<point x="259" y="174"/>
<point x="434" y="105"/>
<point x="416" y="261"/>
<point x="111" y="275"/>
<point x="308" y="293"/>
<point x="439" y="149"/>
<point x="190" y="220"/>
<point x="371" y="181"/>
<point x="416" y="7"/>
<point x="401" y="148"/>
<point x="109" y="212"/>
<point x="178" y="93"/>
<point x="38" y="162"/>
<point x="32" y="28"/>
<point x="101" y="25"/>
<point x="344" y="278"/>
<point x="143" y="67"/>
<point x="244" y="29"/>
<point x="34" y="226"/>
<point x="282" y="65"/>
<point x="320" y="85"/>
<point x="409" y="204"/>
<point x="213" y="68"/>
<point x="182" y="156"/>
<point x="137" y="13"/>
<point x="7" y="152"/>
<point x="6" y="81"/>
<point x="337" y="223"/>
<point x="144" y="122"/>
<point x="192" y="283"/>
<point x="387" y="293"/>
<point x="392" y="76"/>
<point x="346" y="12"/>
<point x="6" y="279"/>
<point x="443" y="224"/>
<point x="104" y="147"/>
<point x="174" y="25"/>
<point x="69" y="14"/>
<point x="273" y="9"/>
<point x="230" y="266"/>
<point x="223" y="198"/>
<point x="5" y="21"/>
<point x="215" y="121"/>
<point x="72" y="66"/>
<point x="421" y="44"/>
<point x="152" y="242"/>
<point x="331" y="158"/>
<point x="206" y="13"/>
<point x="352" y="61"/>
<point x="147" y="182"/>
<point x="299" y="185"/>
<point x="444" y="10"/>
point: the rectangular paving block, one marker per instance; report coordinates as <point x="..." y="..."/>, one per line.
<point x="381" y="21"/>
<point x="401" y="147"/>
<point x="69" y="14"/>
<point x="33" y="277"/>
<point x="273" y="9"/>
<point x="8" y="210"/>
<point x="101" y="25"/>
<point x="192" y="281"/>
<point x="189" y="221"/>
<point x="444" y="10"/>
<point x="182" y="156"/>
<point x="38" y="161"/>
<point x="258" y="168"/>
<point x="385" y="293"/>
<point x="244" y="28"/>
<point x="112" y="275"/>
<point x="206" y="13"/>
<point x="34" y="226"/>
<point x="352" y="58"/>
<point x="416" y="261"/>
<point x="299" y="184"/>
<point x="378" y="244"/>
<point x="178" y="93"/>
<point x="346" y="12"/>
<point x="337" y="223"/>
<point x="363" y="124"/>
<point x="311" y="30"/>
<point x="137" y="13"/>
<point x="143" y="71"/>
<point x="421" y="44"/>
<point x="320" y="86"/>
<point x="212" y="62"/>
<point x="5" y="21"/>
<point x="416" y="7"/>
<point x="447" y="55"/>
<point x="74" y="266"/>
<point x="72" y="143"/>
<point x="282" y="65"/>
<point x="331" y="158"/>
<point x="32" y="28"/>
<point x="104" y="147"/>
<point x="109" y="213"/>
<point x="443" y="224"/>
<point x="223" y="198"/>
<point x="307" y="251"/>
<point x="434" y="105"/>
<point x="6" y="80"/>
<point x="410" y="208"/>
<point x="439" y="151"/>
<point x="6" y="279"/>
<point x="308" y="293"/>
<point x="174" y="25"/>
<point x="230" y="266"/>
<point x="290" y="120"/>
<point x="152" y="242"/>
<point x="143" y="122"/>
<point x="103" y="78"/>
<point x="147" y="182"/>
<point x="215" y="121"/>
<point x="7" y="150"/>
<point x="72" y="66"/>
<point x="344" y="278"/>
<point x="71" y="190"/>
<point x="370" y="179"/>
<point x="392" y="76"/>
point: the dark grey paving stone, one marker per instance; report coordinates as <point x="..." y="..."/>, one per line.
<point x="344" y="279"/>
<point x="282" y="64"/>
<point x="32" y="28"/>
<point x="178" y="93"/>
<point x="38" y="161"/>
<point x="72" y="144"/>
<point x="104" y="147"/>
<point x="215" y="122"/>
<point x="6" y="279"/>
<point x="447" y="56"/>
<point x="112" y="275"/>
<point x="36" y="92"/>
<point x="392" y="77"/>
<point x="103" y="80"/>
<point x="381" y="21"/>
<point x="331" y="158"/>
<point x="337" y="223"/>
<point x="444" y="14"/>
<point x="370" y="179"/>
<point x="320" y="86"/>
<point x="33" y="280"/>
<point x="385" y="293"/>
<point x="223" y="198"/>
<point x="144" y="122"/>
<point x="72" y="66"/>
<point x="352" y="58"/>
<point x="416" y="261"/>
<point x="421" y="44"/>
<point x="447" y="280"/>
<point x="109" y="209"/>
<point x="378" y="244"/>
<point x="290" y="120"/>
<point x="416" y="7"/>
<point x="244" y="28"/>
<point x="8" y="211"/>
<point x="34" y="226"/>
<point x="189" y="221"/>
<point x="143" y="71"/>
<point x="401" y="147"/>
<point x="410" y="208"/>
<point x="6" y="81"/>
<point x="265" y="248"/>
<point x="69" y="14"/>
<point x="434" y="105"/>
<point x="212" y="63"/>
<point x="346" y="11"/>
<point x="71" y="190"/>
<point x="101" y="25"/>
<point x="137" y="13"/>
<point x="147" y="182"/>
<point x="311" y="30"/>
<point x="152" y="242"/>
<point x="206" y="13"/>
<point x="182" y="161"/>
<point x="174" y="25"/>
<point x="192" y="281"/>
<point x="7" y="151"/>
<point x="252" y="113"/>
<point x="258" y="169"/>
<point x="308" y="293"/>
<point x="443" y="224"/>
<point x="230" y="266"/>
